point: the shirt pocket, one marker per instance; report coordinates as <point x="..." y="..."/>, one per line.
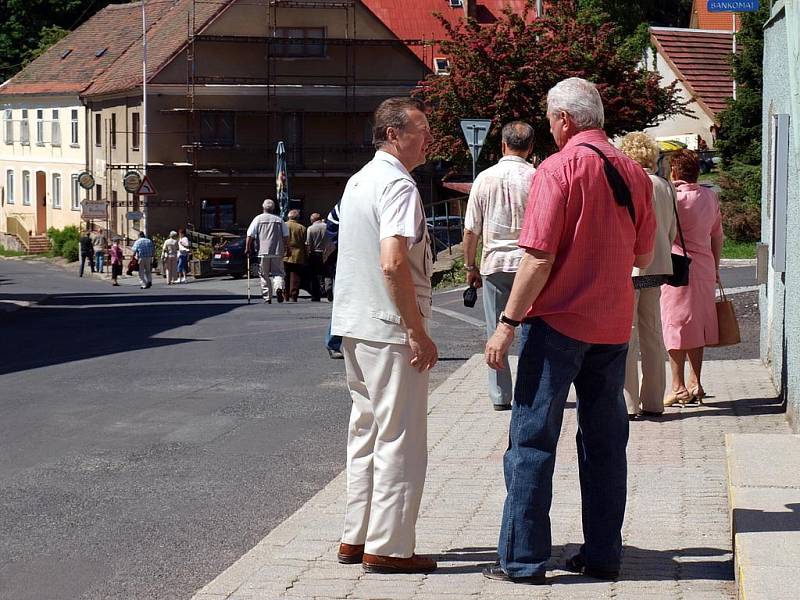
<point x="386" y="316"/>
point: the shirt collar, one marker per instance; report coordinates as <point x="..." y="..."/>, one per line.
<point x="392" y="160"/>
<point x="590" y="135"/>
<point x="513" y="158"/>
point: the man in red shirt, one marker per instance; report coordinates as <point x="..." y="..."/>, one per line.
<point x="588" y="221"/>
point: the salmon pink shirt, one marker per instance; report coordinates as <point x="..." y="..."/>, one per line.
<point x="572" y="213"/>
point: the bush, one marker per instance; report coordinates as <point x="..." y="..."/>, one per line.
<point x="59" y="237"/>
<point x="740" y="202"/>
<point x="69" y="250"/>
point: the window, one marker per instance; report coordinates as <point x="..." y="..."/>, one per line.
<point x="24" y="128"/>
<point x="40" y="128"/>
<point x="74" y="128"/>
<point x="135" y="131"/>
<point x="310" y="42"/>
<point x="113" y="130"/>
<point x="26" y="188"/>
<point x="10" y="186"/>
<point x="75" y="201"/>
<point x="441" y="66"/>
<point x="98" y="129"/>
<point x="98" y="191"/>
<point x="217" y="129"/>
<point x="8" y="126"/>
<point x="55" y="130"/>
<point x="56" y="190"/>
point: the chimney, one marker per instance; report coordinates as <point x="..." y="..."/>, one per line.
<point x="471" y="8"/>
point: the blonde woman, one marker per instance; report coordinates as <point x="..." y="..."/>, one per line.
<point x="646" y="396"/>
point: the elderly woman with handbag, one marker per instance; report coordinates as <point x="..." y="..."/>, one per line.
<point x="688" y="313"/>
<point x="646" y="396"/>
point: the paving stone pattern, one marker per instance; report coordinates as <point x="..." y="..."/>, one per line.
<point x="676" y="533"/>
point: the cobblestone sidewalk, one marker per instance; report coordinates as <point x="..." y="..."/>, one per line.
<point x="676" y="534"/>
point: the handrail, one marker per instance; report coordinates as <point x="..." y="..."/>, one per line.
<point x="17" y="228"/>
<point x="198" y="238"/>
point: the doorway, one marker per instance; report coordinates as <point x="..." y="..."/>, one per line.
<point x="41" y="202"/>
<point x="218" y="214"/>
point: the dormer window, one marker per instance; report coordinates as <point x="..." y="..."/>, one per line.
<point x="441" y="66"/>
<point x="456" y="3"/>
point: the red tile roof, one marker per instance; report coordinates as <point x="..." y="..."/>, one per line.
<point x="72" y="74"/>
<point x="703" y="19"/>
<point x="700" y="60"/>
<point x="415" y="20"/>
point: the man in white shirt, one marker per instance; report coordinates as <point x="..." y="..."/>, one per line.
<point x="273" y="239"/>
<point x="495" y="211"/>
<point x="381" y="307"/>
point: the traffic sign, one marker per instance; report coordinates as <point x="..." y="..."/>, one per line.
<point x="732" y="5"/>
<point x="86" y="180"/>
<point x="146" y="188"/>
<point x="134" y="215"/>
<point x="131" y="181"/>
<point x="94" y="209"/>
<point x="475" y="131"/>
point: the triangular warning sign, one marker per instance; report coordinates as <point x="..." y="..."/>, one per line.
<point x="146" y="188"/>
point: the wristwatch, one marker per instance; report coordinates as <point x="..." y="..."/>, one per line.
<point x="508" y="321"/>
<point x="470" y="267"/>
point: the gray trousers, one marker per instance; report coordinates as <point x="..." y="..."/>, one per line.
<point x="146" y="270"/>
<point x="496" y="290"/>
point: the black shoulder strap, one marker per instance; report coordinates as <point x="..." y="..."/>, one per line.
<point x="617" y="183"/>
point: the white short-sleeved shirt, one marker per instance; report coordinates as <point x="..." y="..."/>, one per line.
<point x="496" y="210"/>
<point x="401" y="212"/>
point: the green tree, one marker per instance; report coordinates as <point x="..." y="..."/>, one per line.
<point x="29" y="27"/>
<point x="739" y="140"/>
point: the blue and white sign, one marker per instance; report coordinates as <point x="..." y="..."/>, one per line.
<point x="732" y="5"/>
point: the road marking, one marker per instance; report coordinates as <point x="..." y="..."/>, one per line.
<point x="455" y="315"/>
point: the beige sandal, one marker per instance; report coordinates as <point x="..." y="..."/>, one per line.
<point x="681" y="397"/>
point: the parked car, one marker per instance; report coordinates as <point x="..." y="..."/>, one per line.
<point x="441" y="226"/>
<point x="229" y="259"/>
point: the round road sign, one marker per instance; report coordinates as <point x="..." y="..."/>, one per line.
<point x="131" y="181"/>
<point x="86" y="180"/>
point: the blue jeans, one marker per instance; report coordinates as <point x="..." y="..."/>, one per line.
<point x="496" y="290"/>
<point x="549" y="364"/>
<point x="99" y="261"/>
<point x="333" y="342"/>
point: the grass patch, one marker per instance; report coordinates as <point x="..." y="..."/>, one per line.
<point x="5" y="252"/>
<point x="734" y="249"/>
<point x="712" y="177"/>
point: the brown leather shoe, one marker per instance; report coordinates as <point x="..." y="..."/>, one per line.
<point x="350" y="554"/>
<point x="389" y="564"/>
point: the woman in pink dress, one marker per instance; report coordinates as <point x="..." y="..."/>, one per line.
<point x="688" y="314"/>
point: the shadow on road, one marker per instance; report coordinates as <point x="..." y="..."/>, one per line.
<point x="72" y="327"/>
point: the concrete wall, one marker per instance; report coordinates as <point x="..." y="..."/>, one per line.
<point x="780" y="297"/>
<point x="699" y="123"/>
<point x="42" y="161"/>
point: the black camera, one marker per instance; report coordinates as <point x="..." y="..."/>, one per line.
<point x="470" y="297"/>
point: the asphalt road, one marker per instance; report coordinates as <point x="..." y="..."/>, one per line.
<point x="150" y="438"/>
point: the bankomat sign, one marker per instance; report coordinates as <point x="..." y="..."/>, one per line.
<point x="732" y="5"/>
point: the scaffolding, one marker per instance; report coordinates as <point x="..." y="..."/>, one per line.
<point x="272" y="84"/>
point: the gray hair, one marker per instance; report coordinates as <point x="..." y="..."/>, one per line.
<point x="518" y="135"/>
<point x="293" y="214"/>
<point x="580" y="100"/>
<point x="269" y="206"/>
<point x="393" y="112"/>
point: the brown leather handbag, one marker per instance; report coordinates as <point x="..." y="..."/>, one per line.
<point x="726" y="321"/>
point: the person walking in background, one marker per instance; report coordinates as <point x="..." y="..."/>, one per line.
<point x="184" y="252"/>
<point x="647" y="399"/>
<point x="116" y="261"/>
<point x="573" y="288"/>
<point x="144" y="250"/>
<point x="333" y="343"/>
<point x="495" y="212"/>
<point x="316" y="244"/>
<point x="296" y="255"/>
<point x="87" y="252"/>
<point x="688" y="313"/>
<point x="99" y="247"/>
<point x="381" y="308"/>
<point x="273" y="236"/>
<point x="169" y="257"/>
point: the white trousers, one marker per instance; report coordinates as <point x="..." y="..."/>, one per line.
<point x="646" y="337"/>
<point x="146" y="271"/>
<point x="271" y="273"/>
<point x="387" y="447"/>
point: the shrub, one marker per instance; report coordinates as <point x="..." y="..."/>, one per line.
<point x="740" y="202"/>
<point x="69" y="250"/>
<point x="59" y="237"/>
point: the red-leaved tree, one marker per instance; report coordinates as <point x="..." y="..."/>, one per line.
<point x="503" y="71"/>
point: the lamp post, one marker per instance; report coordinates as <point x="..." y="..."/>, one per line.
<point x="144" y="109"/>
